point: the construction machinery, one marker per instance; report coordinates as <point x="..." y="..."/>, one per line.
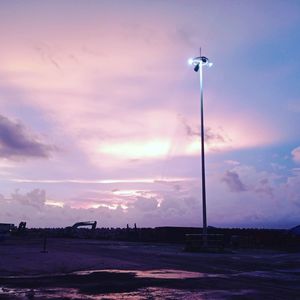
<point x="81" y="229"/>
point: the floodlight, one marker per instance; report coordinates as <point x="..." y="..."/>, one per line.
<point x="190" y="61"/>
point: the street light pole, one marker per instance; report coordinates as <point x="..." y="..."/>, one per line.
<point x="203" y="156"/>
<point x="198" y="64"/>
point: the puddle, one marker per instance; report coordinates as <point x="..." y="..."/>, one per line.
<point x="158" y="274"/>
<point x="169" y="274"/>
<point x="174" y="274"/>
<point x="103" y="284"/>
<point x="140" y="294"/>
<point x="171" y="294"/>
<point x="55" y="293"/>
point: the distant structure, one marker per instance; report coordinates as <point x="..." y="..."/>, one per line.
<point x="22" y="226"/>
<point x="5" y="230"/>
<point x="295" y="230"/>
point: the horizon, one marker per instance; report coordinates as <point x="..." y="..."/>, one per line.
<point x="132" y="227"/>
<point x="100" y="113"/>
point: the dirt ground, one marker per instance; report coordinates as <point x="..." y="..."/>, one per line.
<point x="128" y="270"/>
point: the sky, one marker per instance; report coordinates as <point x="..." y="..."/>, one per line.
<point x="100" y="113"/>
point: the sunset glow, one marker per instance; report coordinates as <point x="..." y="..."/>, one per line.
<point x="100" y="112"/>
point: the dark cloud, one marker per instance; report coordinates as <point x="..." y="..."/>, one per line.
<point x="211" y="135"/>
<point x="17" y="142"/>
<point x="234" y="182"/>
<point x="146" y="204"/>
<point x="189" y="131"/>
<point x="35" y="198"/>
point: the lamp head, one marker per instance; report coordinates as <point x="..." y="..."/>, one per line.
<point x="204" y="61"/>
<point x="196" y="68"/>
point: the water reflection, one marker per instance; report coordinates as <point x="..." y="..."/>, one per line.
<point x="159" y="274"/>
<point x="140" y="294"/>
<point x="105" y="284"/>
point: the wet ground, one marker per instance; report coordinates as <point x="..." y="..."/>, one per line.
<point x="86" y="269"/>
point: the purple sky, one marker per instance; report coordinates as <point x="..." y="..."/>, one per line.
<point x="99" y="114"/>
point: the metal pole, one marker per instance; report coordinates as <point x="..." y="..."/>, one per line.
<point x="203" y="160"/>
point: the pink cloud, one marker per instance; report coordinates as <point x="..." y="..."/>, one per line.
<point x="107" y="86"/>
<point x="296" y="155"/>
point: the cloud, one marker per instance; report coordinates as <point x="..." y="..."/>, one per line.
<point x="189" y="131"/>
<point x="232" y="162"/>
<point x="267" y="203"/>
<point x="17" y="142"/>
<point x="264" y="187"/>
<point x="233" y="181"/>
<point x="132" y="117"/>
<point x="296" y="154"/>
<point x="36" y="198"/>
<point x="146" y="204"/>
<point x="214" y="138"/>
<point x="47" y="54"/>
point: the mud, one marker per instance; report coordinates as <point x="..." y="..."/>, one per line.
<point x="86" y="269"/>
